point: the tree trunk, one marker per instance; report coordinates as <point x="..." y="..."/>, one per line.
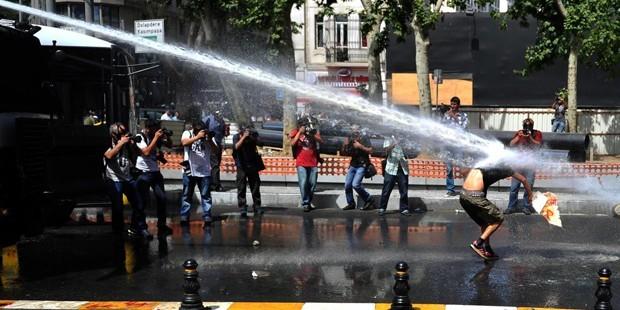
<point x="572" y="89"/>
<point x="236" y="99"/>
<point x="375" y="83"/>
<point x="287" y="65"/>
<point x="421" y="63"/>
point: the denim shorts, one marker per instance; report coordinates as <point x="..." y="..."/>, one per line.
<point x="481" y="210"/>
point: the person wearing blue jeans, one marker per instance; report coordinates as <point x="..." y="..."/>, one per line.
<point x="359" y="148"/>
<point x="396" y="170"/>
<point x="189" y="183"/>
<point x="515" y="184"/>
<point x="526" y="140"/>
<point x="454" y="118"/>
<point x="307" y="177"/>
<point x="305" y="141"/>
<point x="353" y="181"/>
<point x="197" y="147"/>
<point x="450" y="179"/>
<point x="559" y="125"/>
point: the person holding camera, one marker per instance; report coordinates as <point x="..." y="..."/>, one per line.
<point x="526" y="140"/>
<point x="197" y="148"/>
<point x="216" y="125"/>
<point x="558" y="123"/>
<point x="152" y="138"/>
<point x="358" y="147"/>
<point x="118" y="162"/>
<point x="455" y="118"/>
<point x="396" y="170"/>
<point x="248" y="163"/>
<point x="305" y="141"/>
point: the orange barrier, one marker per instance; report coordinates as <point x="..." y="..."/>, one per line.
<point x="337" y="166"/>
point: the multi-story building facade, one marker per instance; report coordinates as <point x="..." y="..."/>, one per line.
<point x="332" y="50"/>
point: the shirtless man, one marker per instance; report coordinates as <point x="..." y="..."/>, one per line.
<point x="481" y="210"/>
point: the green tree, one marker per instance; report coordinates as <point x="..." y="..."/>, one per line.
<point x="273" y="20"/>
<point x="417" y="16"/>
<point x="580" y="30"/>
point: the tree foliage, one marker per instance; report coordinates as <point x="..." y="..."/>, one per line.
<point x="590" y="26"/>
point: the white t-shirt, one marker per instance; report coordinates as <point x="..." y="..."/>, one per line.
<point x="147" y="163"/>
<point x="198" y="154"/>
<point x="166" y="117"/>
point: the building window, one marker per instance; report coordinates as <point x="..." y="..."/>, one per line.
<point x="73" y="10"/>
<point x="106" y="15"/>
<point x="342" y="30"/>
<point x="319" y="38"/>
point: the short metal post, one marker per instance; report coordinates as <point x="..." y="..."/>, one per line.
<point x="401" y="299"/>
<point x="191" y="286"/>
<point x="603" y="292"/>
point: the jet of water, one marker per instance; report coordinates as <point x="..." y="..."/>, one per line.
<point x="419" y="128"/>
<point x="429" y="134"/>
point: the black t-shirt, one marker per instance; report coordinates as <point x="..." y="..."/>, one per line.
<point x="246" y="157"/>
<point x="492" y="175"/>
<point x="359" y="158"/>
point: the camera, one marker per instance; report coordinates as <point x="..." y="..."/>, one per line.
<point x="528" y="129"/>
<point x="134" y="139"/>
<point x="167" y="132"/>
<point x="311" y="125"/>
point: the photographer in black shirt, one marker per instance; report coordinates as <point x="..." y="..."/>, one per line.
<point x="248" y="163"/>
<point x="358" y="147"/>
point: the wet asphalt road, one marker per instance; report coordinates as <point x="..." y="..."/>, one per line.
<point x="325" y="255"/>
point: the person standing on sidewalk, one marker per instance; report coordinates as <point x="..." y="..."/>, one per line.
<point x="526" y="140"/>
<point x="152" y="138"/>
<point x="456" y="119"/>
<point x="216" y="126"/>
<point x="358" y="147"/>
<point x="396" y="170"/>
<point x="118" y="161"/>
<point x="481" y="210"/>
<point x="197" y="148"/>
<point x="558" y="124"/>
<point x="304" y="140"/>
<point x="248" y="163"/>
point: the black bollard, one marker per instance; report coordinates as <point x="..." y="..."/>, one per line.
<point x="191" y="286"/>
<point x="603" y="292"/>
<point x="401" y="299"/>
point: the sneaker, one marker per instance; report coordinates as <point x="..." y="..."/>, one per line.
<point x="509" y="211"/>
<point x="312" y="206"/>
<point x="139" y="233"/>
<point x="258" y="210"/>
<point x="451" y="194"/>
<point x="306" y="208"/>
<point x="164" y="231"/>
<point x="405" y="212"/>
<point x="369" y="205"/>
<point x="243" y="212"/>
<point x="219" y="189"/>
<point x="491" y="253"/>
<point x="481" y="251"/>
<point x="350" y="206"/>
<point x="526" y="211"/>
<point x="381" y="212"/>
<point x="418" y="210"/>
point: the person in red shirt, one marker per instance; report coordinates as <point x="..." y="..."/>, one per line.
<point x="527" y="139"/>
<point x="305" y="140"/>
